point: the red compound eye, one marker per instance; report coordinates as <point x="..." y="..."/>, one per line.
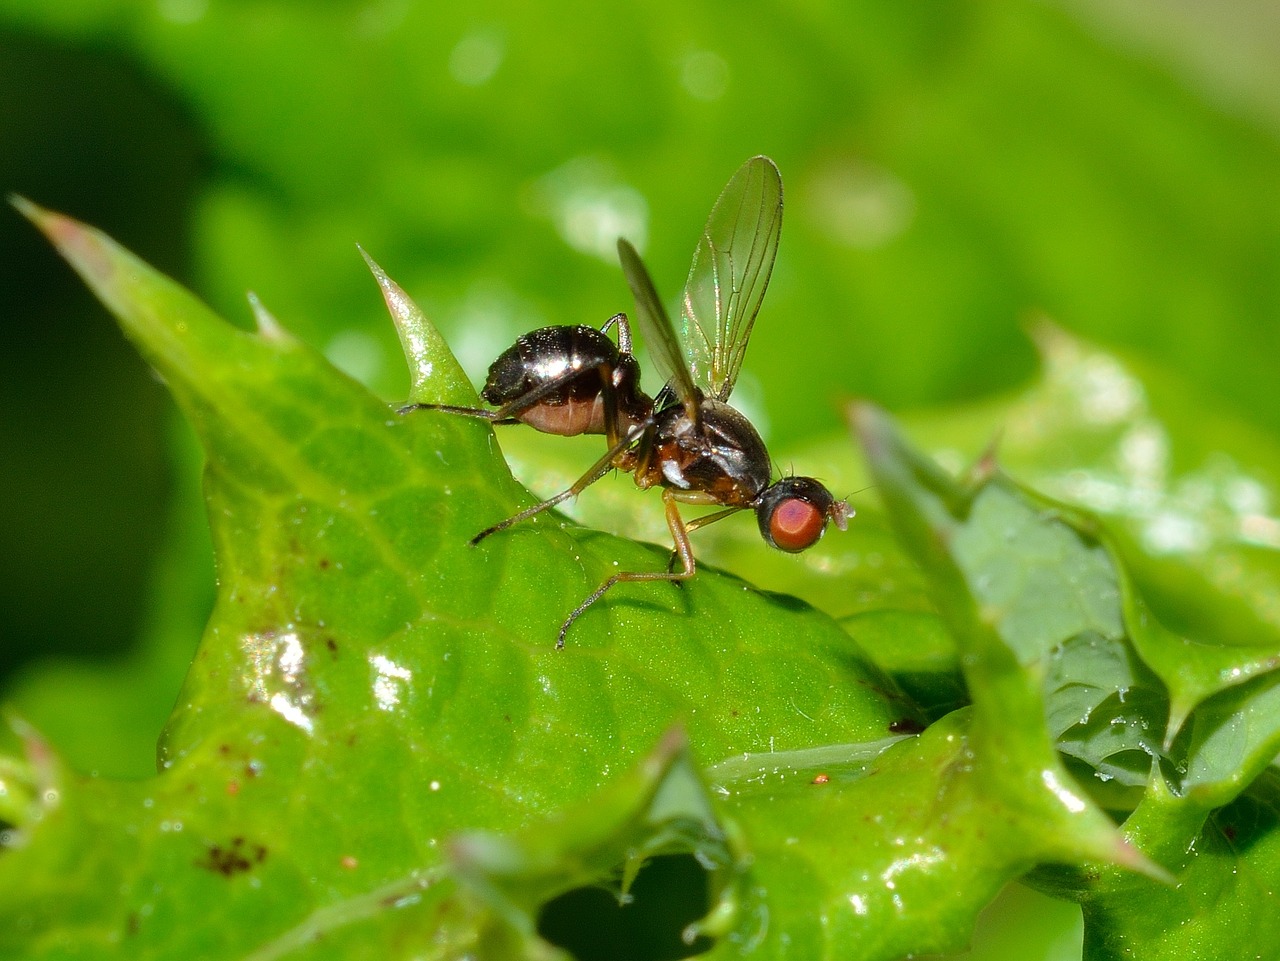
<point x="795" y="525"/>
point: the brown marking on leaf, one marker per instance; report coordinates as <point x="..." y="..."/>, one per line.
<point x="234" y="858"/>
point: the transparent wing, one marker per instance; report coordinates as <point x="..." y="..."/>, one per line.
<point x="659" y="335"/>
<point x="731" y="268"/>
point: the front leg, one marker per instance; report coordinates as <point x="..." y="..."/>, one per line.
<point x="480" y="413"/>
<point x="597" y="470"/>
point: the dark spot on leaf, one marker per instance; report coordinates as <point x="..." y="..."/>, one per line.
<point x="132" y="923"/>
<point x="733" y="713"/>
<point x="906" y="725"/>
<point x="821" y="779"/>
<point x="668" y="894"/>
<point x="233" y="858"/>
<point x="1229" y="832"/>
<point x="324" y="563"/>
<point x="224" y="749"/>
<point x="332" y="645"/>
<point x="507" y="718"/>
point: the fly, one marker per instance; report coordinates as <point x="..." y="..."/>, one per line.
<point x="688" y="440"/>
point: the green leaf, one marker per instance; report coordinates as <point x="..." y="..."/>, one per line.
<point x="1186" y="494"/>
<point x="362" y="658"/>
<point x="918" y="838"/>
<point x="1192" y="671"/>
<point x="916" y="650"/>
<point x="1080" y="436"/>
<point x="659" y="809"/>
<point x="1016" y="587"/>
<point x="1224" y="902"/>
<point x="1230" y="740"/>
<point x="1106" y="709"/>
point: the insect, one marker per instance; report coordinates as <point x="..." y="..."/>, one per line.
<point x="688" y="440"/>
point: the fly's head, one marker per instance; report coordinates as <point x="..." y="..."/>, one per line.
<point x="793" y="513"/>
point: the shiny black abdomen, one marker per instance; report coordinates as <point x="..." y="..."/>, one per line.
<point x="547" y="354"/>
<point x="723" y="455"/>
<point x="567" y="381"/>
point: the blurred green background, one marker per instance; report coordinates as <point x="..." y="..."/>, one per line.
<point x="953" y="170"/>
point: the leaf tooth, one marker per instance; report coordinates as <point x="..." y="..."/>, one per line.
<point x="72" y="238"/>
<point x="434" y="373"/>
<point x="268" y="327"/>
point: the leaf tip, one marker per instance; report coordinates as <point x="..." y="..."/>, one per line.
<point x="27" y="208"/>
<point x="34" y="783"/>
<point x="87" y="250"/>
<point x="1128" y="855"/>
<point x="268" y="327"/>
<point x="673" y="742"/>
<point x="407" y="315"/>
<point x="867" y="419"/>
<point x="425" y="351"/>
<point x="988" y="463"/>
<point x="57" y="227"/>
<point x="391" y="291"/>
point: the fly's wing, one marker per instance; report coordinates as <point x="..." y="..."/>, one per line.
<point x="730" y="272"/>
<point x="658" y="332"/>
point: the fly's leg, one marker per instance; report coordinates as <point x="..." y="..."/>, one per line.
<point x="608" y="400"/>
<point x="480" y="413"/>
<point x="683" y="550"/>
<point x="509" y="413"/>
<point x="597" y="470"/>
<point x="624" y="331"/>
<point x="692" y="526"/>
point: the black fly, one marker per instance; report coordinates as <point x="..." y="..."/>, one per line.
<point x="688" y="441"/>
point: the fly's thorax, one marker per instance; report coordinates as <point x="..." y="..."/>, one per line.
<point x="721" y="454"/>
<point x="634" y="405"/>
